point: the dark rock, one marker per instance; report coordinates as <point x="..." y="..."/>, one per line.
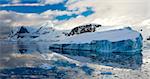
<point x="83" y="29"/>
<point x="23" y="30"/>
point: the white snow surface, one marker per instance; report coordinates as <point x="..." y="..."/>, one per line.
<point x="110" y="35"/>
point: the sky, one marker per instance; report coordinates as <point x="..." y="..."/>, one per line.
<point x="66" y="14"/>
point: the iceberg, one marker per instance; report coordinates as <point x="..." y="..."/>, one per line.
<point x="124" y="40"/>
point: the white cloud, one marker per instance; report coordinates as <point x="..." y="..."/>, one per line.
<point x="111" y="12"/>
<point x="50" y="13"/>
<point x="40" y="3"/>
<point x="72" y="1"/>
<point x="18" y="4"/>
<point x="51" y="1"/>
<point x="107" y="12"/>
<point x="15" y="1"/>
<point x="19" y="19"/>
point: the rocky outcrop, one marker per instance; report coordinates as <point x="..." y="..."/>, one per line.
<point x="83" y="29"/>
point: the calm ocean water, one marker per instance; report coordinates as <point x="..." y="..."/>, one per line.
<point x="25" y="56"/>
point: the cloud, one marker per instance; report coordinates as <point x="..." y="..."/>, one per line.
<point x="110" y="13"/>
<point x="10" y="20"/>
<point x="18" y="19"/>
<point x="69" y="2"/>
<point x="106" y="12"/>
<point x="51" y="1"/>
<point x="32" y="3"/>
<point x="15" y="1"/>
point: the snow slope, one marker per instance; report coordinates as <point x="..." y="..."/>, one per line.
<point x="112" y="35"/>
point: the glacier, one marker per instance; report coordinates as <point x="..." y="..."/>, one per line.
<point x="122" y="40"/>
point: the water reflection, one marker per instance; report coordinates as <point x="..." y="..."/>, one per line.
<point x="32" y="47"/>
<point x="16" y="54"/>
<point x="131" y="60"/>
<point x="24" y="48"/>
<point x="121" y="60"/>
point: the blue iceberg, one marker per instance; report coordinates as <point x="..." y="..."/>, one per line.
<point x="116" y="48"/>
<point x="124" y="40"/>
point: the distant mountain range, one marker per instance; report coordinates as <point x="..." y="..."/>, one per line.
<point x="30" y="32"/>
<point x="47" y="30"/>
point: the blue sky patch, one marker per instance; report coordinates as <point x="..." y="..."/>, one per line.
<point x="88" y="12"/>
<point x="34" y="9"/>
<point x="25" y="1"/>
<point x="4" y="1"/>
<point x="29" y="1"/>
<point x="66" y="17"/>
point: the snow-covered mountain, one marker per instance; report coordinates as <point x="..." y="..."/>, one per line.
<point x="25" y="32"/>
<point x="84" y="34"/>
<point x="58" y="35"/>
<point x="47" y="32"/>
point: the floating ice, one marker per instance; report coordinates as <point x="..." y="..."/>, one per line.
<point x="117" y="40"/>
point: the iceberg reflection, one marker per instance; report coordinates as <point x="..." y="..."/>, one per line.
<point x="129" y="60"/>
